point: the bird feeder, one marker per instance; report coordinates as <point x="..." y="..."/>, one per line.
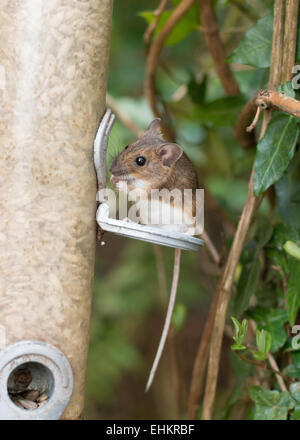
<point x="53" y="70"/>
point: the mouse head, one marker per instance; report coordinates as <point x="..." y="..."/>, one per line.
<point x="146" y="163"/>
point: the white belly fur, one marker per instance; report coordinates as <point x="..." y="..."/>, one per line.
<point x="162" y="215"/>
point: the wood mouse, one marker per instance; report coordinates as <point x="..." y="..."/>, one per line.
<point x="150" y="164"/>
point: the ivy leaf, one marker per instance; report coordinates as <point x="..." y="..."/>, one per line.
<point x="241" y="370"/>
<point x="296" y="413"/>
<point x="255" y="48"/>
<point x="293" y="370"/>
<point x="273" y="321"/>
<point x="270" y="405"/>
<point x="275" y="151"/>
<point x="295" y="393"/>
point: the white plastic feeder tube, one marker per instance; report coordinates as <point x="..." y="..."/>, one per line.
<point x="53" y="71"/>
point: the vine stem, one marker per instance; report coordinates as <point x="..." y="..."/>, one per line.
<point x="223" y="295"/>
<point x="153" y="25"/>
<point x="154" y="53"/>
<point x="290" y="39"/>
<point x="215" y="47"/>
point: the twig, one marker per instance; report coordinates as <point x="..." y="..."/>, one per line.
<point x="275" y="370"/>
<point x="152" y="26"/>
<point x="251" y="361"/>
<point x="128" y="122"/>
<point x="155" y="50"/>
<point x="277" y="45"/>
<point x="200" y="363"/>
<point x="270" y="99"/>
<point x="290" y="39"/>
<point x="215" y="47"/>
<point x="273" y="364"/>
<point x="211" y="248"/>
<point x="168" y="318"/>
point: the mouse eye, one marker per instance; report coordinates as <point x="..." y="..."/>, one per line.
<point x="126" y="147"/>
<point x="140" y="160"/>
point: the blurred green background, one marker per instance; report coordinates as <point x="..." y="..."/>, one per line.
<point x="129" y="305"/>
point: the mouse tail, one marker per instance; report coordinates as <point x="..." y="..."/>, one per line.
<point x="167" y="323"/>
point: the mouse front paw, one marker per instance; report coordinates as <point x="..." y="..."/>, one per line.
<point x="127" y="219"/>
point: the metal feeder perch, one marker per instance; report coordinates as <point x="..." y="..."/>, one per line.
<point x="130" y="229"/>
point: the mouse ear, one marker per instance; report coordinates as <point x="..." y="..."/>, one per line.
<point x="169" y="153"/>
<point x="154" y="128"/>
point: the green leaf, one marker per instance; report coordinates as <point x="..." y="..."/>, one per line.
<point x="287" y="89"/>
<point x="273" y="321"/>
<point x="296" y="413"/>
<point x="240" y="333"/>
<point x="292" y="249"/>
<point x="238" y="347"/>
<point x="255" y="48"/>
<point x="296" y="358"/>
<point x="288" y="196"/>
<point x="293" y="291"/>
<point x="263" y="342"/>
<point x="293" y="370"/>
<point x="197" y="90"/>
<point x="188" y="23"/>
<point x="247" y="285"/>
<point x="275" y="151"/>
<point x="179" y="316"/>
<point x="295" y="391"/>
<point x="236" y="324"/>
<point x="270" y="405"/>
<point x="241" y="370"/>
